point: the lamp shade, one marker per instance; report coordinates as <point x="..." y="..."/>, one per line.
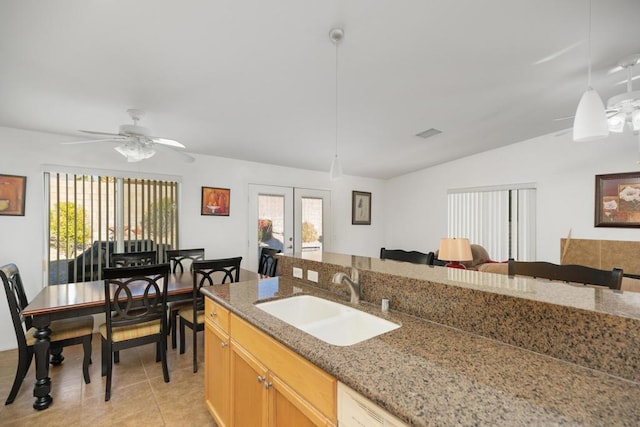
<point x="455" y="250"/>
<point x="591" y="120"/>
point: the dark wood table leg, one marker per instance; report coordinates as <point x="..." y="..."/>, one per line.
<point x="42" y="386"/>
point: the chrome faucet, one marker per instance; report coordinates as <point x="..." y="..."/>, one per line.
<point x="353" y="282"/>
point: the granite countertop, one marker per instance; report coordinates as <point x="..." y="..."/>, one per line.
<point x="429" y="374"/>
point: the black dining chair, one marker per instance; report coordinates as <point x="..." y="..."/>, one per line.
<point x="181" y="260"/>
<point x="133" y="259"/>
<point x="135" y="314"/>
<point x="78" y="330"/>
<point x="207" y="272"/>
<point x="413" y="257"/>
<point x="268" y="265"/>
<point x="567" y="273"/>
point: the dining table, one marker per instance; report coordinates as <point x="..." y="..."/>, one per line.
<point x="63" y="301"/>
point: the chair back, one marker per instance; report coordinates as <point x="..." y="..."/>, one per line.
<point x="213" y="272"/>
<point x="133" y="259"/>
<point x="414" y="257"/>
<point x="181" y="260"/>
<point x="135" y="295"/>
<point x="567" y="273"/>
<point x="268" y="265"/>
<point x="17" y="300"/>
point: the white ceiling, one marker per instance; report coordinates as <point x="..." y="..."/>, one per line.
<point x="255" y="79"/>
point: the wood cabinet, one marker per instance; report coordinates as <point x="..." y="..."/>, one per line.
<point x="266" y="383"/>
<point x="248" y="380"/>
<point x="216" y="359"/>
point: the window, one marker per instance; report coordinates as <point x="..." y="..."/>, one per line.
<point x="91" y="217"/>
<point x="501" y="219"/>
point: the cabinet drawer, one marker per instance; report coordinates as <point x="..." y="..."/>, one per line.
<point x="216" y="314"/>
<point x="311" y="382"/>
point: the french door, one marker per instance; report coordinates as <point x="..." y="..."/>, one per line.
<point x="288" y="219"/>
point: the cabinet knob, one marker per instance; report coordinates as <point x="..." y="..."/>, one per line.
<point x="223" y="344"/>
<point x="261" y="378"/>
<point x="213" y="314"/>
<point x="267" y="385"/>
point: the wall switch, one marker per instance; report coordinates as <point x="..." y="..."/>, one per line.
<point x="312" y="275"/>
<point x="297" y="273"/>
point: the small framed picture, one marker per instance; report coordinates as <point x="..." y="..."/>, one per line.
<point x="215" y="201"/>
<point x="618" y="200"/>
<point x="361" y="208"/>
<point x="12" y="192"/>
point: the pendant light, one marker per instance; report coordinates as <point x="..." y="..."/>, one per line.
<point x="335" y="172"/>
<point x="591" y="120"/>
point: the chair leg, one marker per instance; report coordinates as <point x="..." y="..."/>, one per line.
<point x="116" y="356"/>
<point x="173" y="327"/>
<point x="163" y="358"/>
<point x="104" y="356"/>
<point x="24" y="362"/>
<point x="194" y="343"/>
<point x="158" y="352"/>
<point x="56" y="355"/>
<point x="182" y="343"/>
<point x="86" y="346"/>
<point x="107" y="390"/>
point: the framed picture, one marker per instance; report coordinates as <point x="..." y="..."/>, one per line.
<point x="215" y="201"/>
<point x="618" y="200"/>
<point x="361" y="208"/>
<point x="12" y="192"/>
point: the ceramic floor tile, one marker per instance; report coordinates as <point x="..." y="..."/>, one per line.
<point x="139" y="395"/>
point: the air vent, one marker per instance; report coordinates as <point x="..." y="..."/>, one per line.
<point x="429" y="133"/>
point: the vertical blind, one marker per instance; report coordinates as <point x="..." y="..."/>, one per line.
<point x="92" y="217"/>
<point x="502" y="220"/>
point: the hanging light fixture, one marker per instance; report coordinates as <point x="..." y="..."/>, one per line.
<point x="335" y="172"/>
<point x="591" y="120"/>
<point x="626" y="106"/>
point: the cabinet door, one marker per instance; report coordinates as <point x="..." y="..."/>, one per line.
<point x="288" y="409"/>
<point x="216" y="373"/>
<point x="248" y="388"/>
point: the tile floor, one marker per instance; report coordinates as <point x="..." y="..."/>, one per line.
<point x="139" y="395"/>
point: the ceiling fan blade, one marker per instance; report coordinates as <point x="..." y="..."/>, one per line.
<point x="563" y="132"/>
<point x="187" y="158"/>
<point x="168" y="142"/>
<point x="93" y="140"/>
<point x="100" y="133"/>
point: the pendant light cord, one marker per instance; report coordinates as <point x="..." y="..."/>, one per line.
<point x="589" y="48"/>
<point x="337" y="42"/>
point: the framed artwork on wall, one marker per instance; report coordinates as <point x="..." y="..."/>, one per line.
<point x="361" y="208"/>
<point x="12" y="194"/>
<point x="215" y="201"/>
<point x="618" y="200"/>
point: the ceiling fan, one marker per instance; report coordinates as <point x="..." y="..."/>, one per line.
<point x="136" y="142"/>
<point x="622" y="109"/>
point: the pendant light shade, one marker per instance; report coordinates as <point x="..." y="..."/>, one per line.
<point x="336" y="169"/>
<point x="335" y="172"/>
<point x="591" y="120"/>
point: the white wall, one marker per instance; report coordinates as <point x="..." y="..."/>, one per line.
<point x="563" y="170"/>
<point x="25" y="152"/>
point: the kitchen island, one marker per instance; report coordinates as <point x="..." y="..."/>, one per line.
<point x="430" y="373"/>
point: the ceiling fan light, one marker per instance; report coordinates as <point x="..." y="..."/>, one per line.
<point x="335" y="172"/>
<point x="591" y="120"/>
<point x="135" y="152"/>
<point x="616" y="123"/>
<point x="635" y="120"/>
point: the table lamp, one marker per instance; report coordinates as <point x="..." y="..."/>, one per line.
<point x="455" y="250"/>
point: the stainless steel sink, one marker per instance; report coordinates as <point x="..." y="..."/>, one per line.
<point x="326" y="320"/>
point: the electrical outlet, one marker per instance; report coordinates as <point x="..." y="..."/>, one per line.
<point x="297" y="273"/>
<point x="312" y="276"/>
